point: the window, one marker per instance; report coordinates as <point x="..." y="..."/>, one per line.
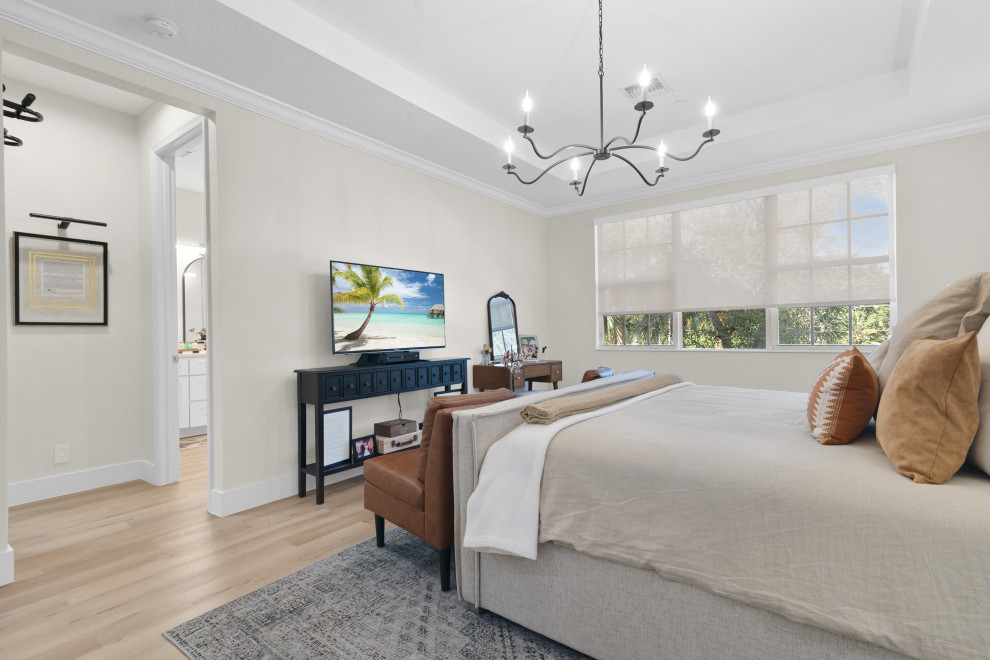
<point x="799" y="266"/>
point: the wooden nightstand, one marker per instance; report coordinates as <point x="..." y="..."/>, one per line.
<point x="492" y="377"/>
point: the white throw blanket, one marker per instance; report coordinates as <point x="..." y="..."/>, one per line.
<point x="503" y="512"/>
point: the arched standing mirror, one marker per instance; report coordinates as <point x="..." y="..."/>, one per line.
<point x="502" y="325"/>
<point x="193" y="299"/>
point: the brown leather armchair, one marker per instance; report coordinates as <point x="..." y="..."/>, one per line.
<point x="414" y="489"/>
<point x="595" y="374"/>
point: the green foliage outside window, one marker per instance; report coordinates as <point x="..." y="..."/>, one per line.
<point x="869" y="324"/>
<point x="638" y="329"/>
<point x="735" y="328"/>
<point x="747" y="328"/>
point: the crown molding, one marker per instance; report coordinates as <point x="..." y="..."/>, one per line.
<point x="890" y="143"/>
<point x="31" y="15"/>
<point x="57" y="25"/>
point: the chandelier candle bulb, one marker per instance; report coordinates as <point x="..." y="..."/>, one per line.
<point x="574" y="167"/>
<point x="644" y="82"/>
<point x="661" y="152"/>
<point x="527" y="105"/>
<point x="710" y="113"/>
<point x="508" y="151"/>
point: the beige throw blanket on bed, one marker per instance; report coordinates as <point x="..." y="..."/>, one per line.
<point x="554" y="409"/>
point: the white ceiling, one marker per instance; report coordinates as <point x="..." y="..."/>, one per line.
<point x="436" y="84"/>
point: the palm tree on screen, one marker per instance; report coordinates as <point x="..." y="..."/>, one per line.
<point x="367" y="286"/>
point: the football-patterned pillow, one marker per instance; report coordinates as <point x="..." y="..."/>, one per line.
<point x="843" y="399"/>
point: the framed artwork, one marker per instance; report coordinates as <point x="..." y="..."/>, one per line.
<point x="336" y="436"/>
<point x="59" y="281"/>
<point x="529" y="345"/>
<point x="364" y="447"/>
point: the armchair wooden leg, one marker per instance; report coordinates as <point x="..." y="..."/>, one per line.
<point x="379" y="531"/>
<point x="445" y="570"/>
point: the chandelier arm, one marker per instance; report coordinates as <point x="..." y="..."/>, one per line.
<point x="636" y="169"/>
<point x="587" y="175"/>
<point x="541" y="175"/>
<point x="641" y="146"/>
<point x="639" y="124"/>
<point x="569" y="146"/>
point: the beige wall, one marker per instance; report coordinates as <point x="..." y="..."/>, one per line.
<point x="286" y="202"/>
<point x="942" y="234"/>
<point x="85" y="386"/>
<point x="289" y="204"/>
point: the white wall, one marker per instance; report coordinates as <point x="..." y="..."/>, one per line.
<point x="80" y="385"/>
<point x="942" y="234"/>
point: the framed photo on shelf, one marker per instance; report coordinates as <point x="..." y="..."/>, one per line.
<point x="364" y="447"/>
<point x="529" y="345"/>
<point x="336" y="436"/>
<point x="59" y="281"/>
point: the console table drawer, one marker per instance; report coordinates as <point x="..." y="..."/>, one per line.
<point x="366" y="383"/>
<point x="331" y="387"/>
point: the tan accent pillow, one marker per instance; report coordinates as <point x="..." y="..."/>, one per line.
<point x="843" y="399"/>
<point x="961" y="307"/>
<point x="979" y="453"/>
<point x="929" y="410"/>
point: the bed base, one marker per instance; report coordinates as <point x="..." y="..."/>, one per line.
<point x="610" y="610"/>
<point x="613" y="611"/>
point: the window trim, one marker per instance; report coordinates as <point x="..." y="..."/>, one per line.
<point x="773" y="344"/>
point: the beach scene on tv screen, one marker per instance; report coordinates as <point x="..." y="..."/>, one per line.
<point x="385" y="309"/>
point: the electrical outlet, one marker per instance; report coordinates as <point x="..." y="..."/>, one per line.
<point x="61" y="453"/>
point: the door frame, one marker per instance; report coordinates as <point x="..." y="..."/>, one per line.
<point x="164" y="297"/>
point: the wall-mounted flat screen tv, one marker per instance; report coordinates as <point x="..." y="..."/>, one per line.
<point x="385" y="309"/>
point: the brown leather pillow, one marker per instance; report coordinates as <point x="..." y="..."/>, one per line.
<point x="446" y="402"/>
<point x="929" y="410"/>
<point x="843" y="399"/>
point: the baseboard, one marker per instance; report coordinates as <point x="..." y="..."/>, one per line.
<point x="7" y="566"/>
<point x="34" y="490"/>
<point x="225" y="503"/>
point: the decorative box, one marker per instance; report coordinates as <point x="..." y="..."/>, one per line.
<point x="395" y="427"/>
<point x="386" y="444"/>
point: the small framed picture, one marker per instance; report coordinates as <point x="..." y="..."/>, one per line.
<point x="59" y="281"/>
<point x="529" y="345"/>
<point x="364" y="447"/>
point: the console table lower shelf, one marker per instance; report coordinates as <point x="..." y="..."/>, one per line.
<point x="335" y="385"/>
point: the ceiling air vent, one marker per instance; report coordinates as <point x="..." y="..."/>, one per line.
<point x="657" y="86"/>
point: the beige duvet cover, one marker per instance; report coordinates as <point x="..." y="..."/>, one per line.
<point x="725" y="489"/>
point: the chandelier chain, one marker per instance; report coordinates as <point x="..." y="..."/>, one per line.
<point x="601" y="49"/>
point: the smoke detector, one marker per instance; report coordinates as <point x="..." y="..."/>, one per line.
<point x="657" y="86"/>
<point x="160" y="27"/>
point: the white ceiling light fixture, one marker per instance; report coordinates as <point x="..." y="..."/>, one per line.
<point x="160" y="27"/>
<point x="605" y="150"/>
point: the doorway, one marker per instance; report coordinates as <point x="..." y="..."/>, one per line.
<point x="181" y="280"/>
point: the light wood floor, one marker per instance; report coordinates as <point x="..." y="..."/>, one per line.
<point x="102" y="574"/>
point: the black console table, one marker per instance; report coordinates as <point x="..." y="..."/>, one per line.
<point x="339" y="384"/>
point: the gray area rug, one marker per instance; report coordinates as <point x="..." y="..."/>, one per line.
<point x="364" y="602"/>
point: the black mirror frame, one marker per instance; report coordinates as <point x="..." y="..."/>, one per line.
<point x="515" y="318"/>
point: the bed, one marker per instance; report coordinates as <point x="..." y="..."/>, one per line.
<point x="705" y="522"/>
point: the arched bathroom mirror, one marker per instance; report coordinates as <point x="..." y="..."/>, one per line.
<point x="502" y="324"/>
<point x="193" y="300"/>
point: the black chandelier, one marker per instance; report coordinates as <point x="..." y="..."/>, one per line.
<point x="605" y="150"/>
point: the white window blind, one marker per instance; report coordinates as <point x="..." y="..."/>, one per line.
<point x="826" y="244"/>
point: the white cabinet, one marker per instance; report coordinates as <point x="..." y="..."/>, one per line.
<point x="193" y="395"/>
